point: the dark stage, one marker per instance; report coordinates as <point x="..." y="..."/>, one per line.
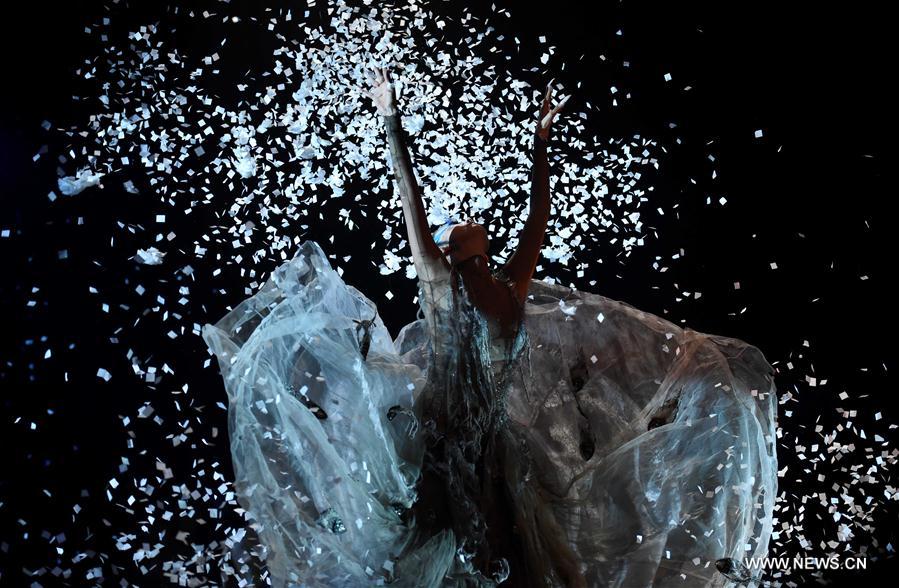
<point x="764" y="217"/>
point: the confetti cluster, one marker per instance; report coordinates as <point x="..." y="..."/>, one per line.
<point x="241" y="166"/>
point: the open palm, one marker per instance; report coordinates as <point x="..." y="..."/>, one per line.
<point x="381" y="91"/>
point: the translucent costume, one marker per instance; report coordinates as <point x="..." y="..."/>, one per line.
<point x="598" y="438"/>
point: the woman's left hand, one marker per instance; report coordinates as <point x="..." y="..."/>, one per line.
<point x="548" y="113"/>
<point x="381" y="91"/>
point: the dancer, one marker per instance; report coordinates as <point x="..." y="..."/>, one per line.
<point x="469" y="309"/>
<point x="465" y="245"/>
<point x="519" y="433"/>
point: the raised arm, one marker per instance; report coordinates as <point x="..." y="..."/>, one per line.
<point x="520" y="267"/>
<point x="430" y="262"/>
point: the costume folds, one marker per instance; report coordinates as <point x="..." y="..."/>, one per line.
<point x="598" y="438"/>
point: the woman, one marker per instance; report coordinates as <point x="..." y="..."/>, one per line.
<point x="519" y="432"/>
<point x="465" y="245"/>
<point x="474" y="319"/>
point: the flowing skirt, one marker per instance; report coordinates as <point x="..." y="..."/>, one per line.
<point x="635" y="451"/>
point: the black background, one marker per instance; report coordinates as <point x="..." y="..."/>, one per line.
<point x="812" y="195"/>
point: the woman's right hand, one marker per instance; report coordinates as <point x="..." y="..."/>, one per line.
<point x="548" y="112"/>
<point x="381" y="91"/>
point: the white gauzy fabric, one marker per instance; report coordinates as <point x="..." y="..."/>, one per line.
<point x="650" y="447"/>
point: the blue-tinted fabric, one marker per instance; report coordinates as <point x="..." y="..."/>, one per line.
<point x="617" y="445"/>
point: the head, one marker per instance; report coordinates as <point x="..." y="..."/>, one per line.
<point x="462" y="241"/>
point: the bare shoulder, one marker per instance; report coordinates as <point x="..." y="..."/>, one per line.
<point x="517" y="285"/>
<point x="434" y="280"/>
